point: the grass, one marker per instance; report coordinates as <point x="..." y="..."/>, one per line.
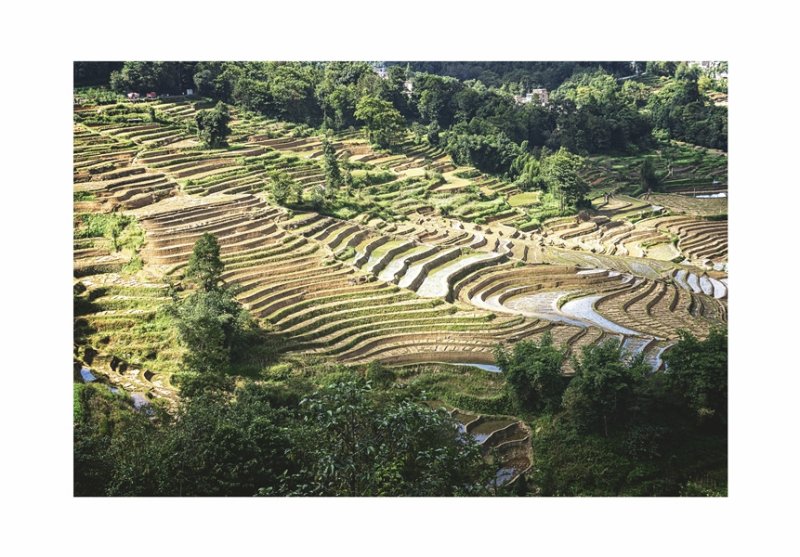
<point x="83" y="196"/>
<point x="524" y="199"/>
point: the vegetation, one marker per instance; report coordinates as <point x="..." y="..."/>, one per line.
<point x="533" y="374"/>
<point x="561" y="174"/>
<point x="264" y="440"/>
<point x="618" y="430"/>
<point x="382" y="121"/>
<point x="212" y="125"/>
<point x="213" y="326"/>
<point x="327" y="383"/>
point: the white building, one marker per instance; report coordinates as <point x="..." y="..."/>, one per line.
<point x="535" y="95"/>
<point x="380" y="69"/>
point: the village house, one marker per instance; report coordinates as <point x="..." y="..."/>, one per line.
<point x="538" y="95"/>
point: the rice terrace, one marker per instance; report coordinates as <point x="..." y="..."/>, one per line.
<point x="400" y="278"/>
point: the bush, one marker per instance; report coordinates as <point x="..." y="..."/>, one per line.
<point x="380" y="375"/>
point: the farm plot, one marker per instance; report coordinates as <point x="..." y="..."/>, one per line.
<point x="438" y="274"/>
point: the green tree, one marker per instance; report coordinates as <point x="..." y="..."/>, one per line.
<point x="698" y="370"/>
<point x="281" y="188"/>
<point x="561" y="174"/>
<point x="380" y="447"/>
<point x="383" y="122"/>
<point x="650" y="180"/>
<point x="212" y="125"/>
<point x="528" y="170"/>
<point x="333" y="175"/>
<point x="209" y="323"/>
<point x="601" y="394"/>
<point x="533" y="374"/>
<point x="205" y="265"/>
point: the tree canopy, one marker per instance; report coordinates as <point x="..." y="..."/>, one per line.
<point x="533" y="374"/>
<point x="383" y="122"/>
<point x="212" y="125"/>
<point x="260" y="441"/>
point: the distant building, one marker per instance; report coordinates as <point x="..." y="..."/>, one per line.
<point x="540" y="96"/>
<point x="151" y="95"/>
<point x="133" y="96"/>
<point x="380" y="69"/>
<point x="408" y="87"/>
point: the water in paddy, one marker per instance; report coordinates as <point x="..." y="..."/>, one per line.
<point x="680" y="278"/>
<point x="711" y="195"/>
<point x="482" y="431"/>
<point x="583" y="309"/>
<point x="413" y="271"/>
<point x="503" y="475"/>
<point x="654" y="358"/>
<point x="87" y="375"/>
<point x="397" y="263"/>
<point x="635" y="345"/>
<point x="139" y="401"/>
<point x="720" y="290"/>
<point x="435" y="284"/>
<point x="485" y="367"/>
<point x="541" y="305"/>
<point x="480" y="437"/>
<point x="642" y="269"/>
<point x="377" y="254"/>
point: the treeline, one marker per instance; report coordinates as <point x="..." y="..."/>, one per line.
<point x="683" y="111"/>
<point x="590" y="111"/>
<point x="615" y="428"/>
<point x="518" y="75"/>
<point x="88" y="74"/>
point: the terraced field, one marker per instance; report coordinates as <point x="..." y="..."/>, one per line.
<point x="441" y="276"/>
<point x="504" y="437"/>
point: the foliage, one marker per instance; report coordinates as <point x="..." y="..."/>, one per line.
<point x="698" y="370"/>
<point x="533" y="374"/>
<point x="205" y="266"/>
<point x="333" y="175"/>
<point x="594" y="115"/>
<point x="212" y="125"/>
<point x="210" y="324"/>
<point x="383" y="122"/>
<point x="258" y="440"/>
<point x="650" y="179"/>
<point x="600" y="396"/>
<point x="379" y="375"/>
<point x="561" y="172"/>
<point x="159" y="77"/>
<point x="487" y="151"/>
<point x="681" y="109"/>
<point x="625" y="432"/>
<point x="123" y="231"/>
<point x="385" y="447"/>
